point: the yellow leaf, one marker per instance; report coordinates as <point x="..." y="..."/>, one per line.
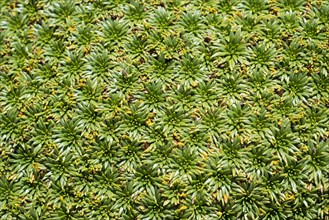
<point x="212" y="9"/>
<point x="262" y="210"/>
<point x="304" y="148"/>
<point x="290" y="196"/>
<point x="280" y="122"/>
<point x="276" y="9"/>
<point x="225" y="198"/>
<point x="182" y="208"/>
<point x="71" y="29"/>
<point x="149" y="122"/>
<point x="274" y="162"/>
<point x="326" y="210"/>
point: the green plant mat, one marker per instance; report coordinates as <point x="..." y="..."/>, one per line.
<point x="201" y="109"/>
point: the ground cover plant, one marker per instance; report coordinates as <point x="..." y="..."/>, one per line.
<point x="166" y="109"/>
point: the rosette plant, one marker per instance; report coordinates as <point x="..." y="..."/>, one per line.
<point x="182" y="110"/>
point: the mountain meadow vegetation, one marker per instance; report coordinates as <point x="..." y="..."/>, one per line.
<point x="164" y="110"/>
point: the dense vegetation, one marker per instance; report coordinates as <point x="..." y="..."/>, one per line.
<point x="169" y="109"/>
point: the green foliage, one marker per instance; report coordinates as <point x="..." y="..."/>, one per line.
<point x="164" y="109"/>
